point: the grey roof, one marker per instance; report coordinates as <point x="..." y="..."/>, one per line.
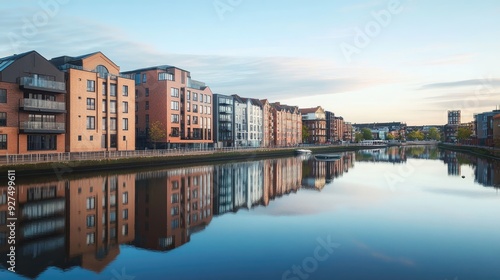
<point x="158" y="67"/>
<point x="6" y="61"/>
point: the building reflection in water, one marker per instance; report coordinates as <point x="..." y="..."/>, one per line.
<point x="317" y="174"/>
<point x="70" y="223"/>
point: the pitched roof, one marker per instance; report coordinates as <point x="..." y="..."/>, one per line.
<point x="7" y="61"/>
<point x="309" y="110"/>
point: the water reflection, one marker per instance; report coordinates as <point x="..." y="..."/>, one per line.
<point x="81" y="222"/>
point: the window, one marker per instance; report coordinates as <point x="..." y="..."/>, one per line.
<point x="125" y="230"/>
<point x="112" y="89"/>
<point x="147" y="92"/>
<point x="112" y="216"/>
<point x="90" y="203"/>
<point x="90" y="85"/>
<point x="104" y="125"/>
<point x="3" y="119"/>
<point x="201" y="97"/>
<point x="175" y="118"/>
<point x="137" y="78"/>
<point x="144" y="78"/>
<point x="209" y="99"/>
<point x="147" y="105"/>
<point x="112" y="140"/>
<point x="165" y="76"/>
<point x="104" y="106"/>
<point x="3" y="141"/>
<point x="195" y="108"/>
<point x="3" y="198"/>
<point x="90" y="238"/>
<point x="174" y="132"/>
<point x="208" y="110"/>
<point x="112" y="201"/>
<point x="195" y="120"/>
<point x="136" y="93"/>
<point x="174" y="105"/>
<point x="112" y="124"/>
<point x="125" y="107"/>
<point x="188" y="120"/>
<point x="175" y="198"/>
<point x="3" y="218"/>
<point x="175" y="224"/>
<point x="125" y="124"/>
<point x="188" y="95"/>
<point x="112" y="106"/>
<point x="195" y="96"/>
<point x="79" y="138"/>
<point x="147" y="120"/>
<point x="90" y="122"/>
<point x="90" y="103"/>
<point x="90" y="221"/>
<point x="125" y="214"/>
<point x="136" y="106"/>
<point x="188" y="107"/>
<point x="174" y="211"/>
<point x="104" y="88"/>
<point x="125" y="198"/>
<point x="174" y="92"/>
<point x="125" y="90"/>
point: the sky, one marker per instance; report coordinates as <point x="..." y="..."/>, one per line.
<point x="366" y="60"/>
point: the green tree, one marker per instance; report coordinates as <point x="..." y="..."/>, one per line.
<point x="463" y="133"/>
<point x="157" y="132"/>
<point x="305" y="134"/>
<point x="389" y="136"/>
<point x="415" y="135"/>
<point x="433" y="134"/>
<point x="367" y="134"/>
<point x="358" y="137"/>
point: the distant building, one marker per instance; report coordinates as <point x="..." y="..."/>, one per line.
<point x="287" y="125"/>
<point x="338" y="128"/>
<point x="100" y="104"/>
<point x="348" y="132"/>
<point x="396" y="129"/>
<point x="183" y="106"/>
<point x="315" y="121"/>
<point x="454" y="117"/>
<point x="484" y="127"/>
<point x="496" y="130"/>
<point x="267" y="124"/>
<point x="248" y="122"/>
<point x="451" y="127"/>
<point x="32" y="105"/>
<point x="223" y="120"/>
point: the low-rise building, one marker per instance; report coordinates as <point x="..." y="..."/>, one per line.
<point x="496" y="130"/>
<point x="315" y="121"/>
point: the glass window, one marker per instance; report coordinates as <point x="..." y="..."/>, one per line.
<point x="147" y="105"/>
<point x="90" y="220"/>
<point x="112" y="89"/>
<point x="112" y="140"/>
<point x="165" y="76"/>
<point x="125" y="214"/>
<point x="195" y="108"/>
<point x="3" y="119"/>
<point x="104" y="125"/>
<point x="42" y="142"/>
<point x="104" y="88"/>
<point x="90" y="203"/>
<point x="90" y="122"/>
<point x="144" y="78"/>
<point x="175" y="118"/>
<point x="104" y="106"/>
<point x="125" y="107"/>
<point x="174" y="92"/>
<point x="90" y="85"/>
<point x="112" y="106"/>
<point x="3" y="141"/>
<point x="90" y="103"/>
<point x="125" y="90"/>
<point x="195" y="96"/>
<point x="174" y="105"/>
<point x="147" y="120"/>
<point x="102" y="70"/>
<point x="125" y="230"/>
<point x="90" y="238"/>
<point x="125" y="198"/>
<point x="125" y="124"/>
<point x="188" y="95"/>
<point x="112" y="123"/>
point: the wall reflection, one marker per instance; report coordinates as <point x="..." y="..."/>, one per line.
<point x="81" y="222"/>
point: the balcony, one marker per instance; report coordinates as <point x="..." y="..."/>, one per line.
<point x="38" y="105"/>
<point x="42" y="84"/>
<point x="42" y="127"/>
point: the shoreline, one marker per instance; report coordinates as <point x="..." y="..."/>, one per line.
<point x="137" y="163"/>
<point x="476" y="151"/>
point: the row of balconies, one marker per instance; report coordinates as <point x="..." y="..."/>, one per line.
<point x="38" y="105"/>
<point x="42" y="84"/>
<point x="45" y="127"/>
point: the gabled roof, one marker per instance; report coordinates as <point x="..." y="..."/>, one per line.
<point x="7" y="61"/>
<point x="309" y="110"/>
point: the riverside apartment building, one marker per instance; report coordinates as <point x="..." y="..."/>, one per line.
<point x="100" y="104"/>
<point x="166" y="95"/>
<point x="32" y="105"/>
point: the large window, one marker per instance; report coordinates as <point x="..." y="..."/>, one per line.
<point x="42" y="142"/>
<point x="113" y="140"/>
<point x="125" y="124"/>
<point x="195" y="108"/>
<point x="125" y="198"/>
<point x="3" y="141"/>
<point x="90" y="238"/>
<point x="104" y="123"/>
<point x="195" y="120"/>
<point x="175" y="118"/>
<point x="112" y="106"/>
<point x="165" y="76"/>
<point x="125" y="214"/>
<point x="188" y="106"/>
<point x="104" y="106"/>
<point x="112" y="89"/>
<point x="174" y="92"/>
<point x="125" y="107"/>
<point x="188" y="95"/>
<point x="112" y="123"/>
<point x="3" y="119"/>
<point x="104" y="85"/>
<point x="144" y="78"/>
<point x="90" y="103"/>
<point x="90" y="122"/>
<point x="3" y="95"/>
<point x="174" y="105"/>
<point x="195" y="96"/>
<point x="90" y="203"/>
<point x="125" y="90"/>
<point x="91" y="85"/>
<point x="90" y="221"/>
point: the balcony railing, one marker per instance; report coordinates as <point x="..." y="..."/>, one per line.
<point x="42" y="105"/>
<point x="47" y="127"/>
<point x="39" y="83"/>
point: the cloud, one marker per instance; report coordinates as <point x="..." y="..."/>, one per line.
<point x="487" y="83"/>
<point x="451" y="60"/>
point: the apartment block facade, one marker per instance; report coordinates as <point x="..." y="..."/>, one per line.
<point x="166" y="95"/>
<point x="338" y="128"/>
<point x="32" y="105"/>
<point x="223" y="120"/>
<point x="496" y="130"/>
<point x="267" y="123"/>
<point x="315" y="121"/>
<point x="287" y="125"/>
<point x="100" y="104"/>
<point x="248" y="122"/>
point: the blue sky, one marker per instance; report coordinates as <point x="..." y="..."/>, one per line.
<point x="418" y="60"/>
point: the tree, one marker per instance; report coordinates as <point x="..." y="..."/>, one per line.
<point x="433" y="134"/>
<point x="415" y="135"/>
<point x="367" y="134"/>
<point x="390" y="136"/>
<point x="463" y="133"/>
<point x="305" y="134"/>
<point x="358" y="137"/>
<point x="157" y="132"/>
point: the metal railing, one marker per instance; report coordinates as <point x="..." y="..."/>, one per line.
<point x="42" y="125"/>
<point x="42" y="83"/>
<point x="28" y="103"/>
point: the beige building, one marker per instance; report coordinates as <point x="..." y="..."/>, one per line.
<point x="315" y="121"/>
<point x="100" y="104"/>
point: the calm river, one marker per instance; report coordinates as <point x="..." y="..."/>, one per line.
<point x="397" y="213"/>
